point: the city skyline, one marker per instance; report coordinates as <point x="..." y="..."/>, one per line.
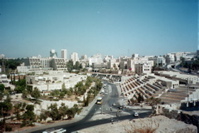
<point x="118" y="28"/>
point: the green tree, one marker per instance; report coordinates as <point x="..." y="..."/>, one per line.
<point x="43" y="116"/>
<point x="61" y="95"/>
<point x="19" y="89"/>
<point x="29" y="116"/>
<point x="36" y="93"/>
<point x="20" y="85"/>
<point x="182" y="59"/>
<point x="8" y="104"/>
<point x="25" y="94"/>
<point x="70" y="113"/>
<point x="54" y="112"/>
<point x="2" y="87"/>
<point x="76" y="66"/>
<point x="5" y="107"/>
<point x="55" y="93"/>
<point x="70" y="66"/>
<point x="63" y="110"/>
<point x="70" y="92"/>
<point x="64" y="88"/>
<point x="17" y="109"/>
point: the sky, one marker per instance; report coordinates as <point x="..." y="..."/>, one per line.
<point x="108" y="27"/>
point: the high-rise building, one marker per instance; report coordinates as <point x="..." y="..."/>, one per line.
<point x="74" y="57"/>
<point x="53" y="53"/>
<point x="64" y="54"/>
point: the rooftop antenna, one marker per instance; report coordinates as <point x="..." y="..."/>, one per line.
<point x="128" y="52"/>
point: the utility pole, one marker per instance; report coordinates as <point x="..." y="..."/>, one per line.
<point x="187" y="92"/>
<point x="3" y="66"/>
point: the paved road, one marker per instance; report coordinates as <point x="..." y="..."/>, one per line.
<point x="110" y="96"/>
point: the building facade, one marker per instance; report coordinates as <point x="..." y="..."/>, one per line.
<point x="74" y="57"/>
<point x="64" y="54"/>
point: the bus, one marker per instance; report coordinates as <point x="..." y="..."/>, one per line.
<point x="99" y="100"/>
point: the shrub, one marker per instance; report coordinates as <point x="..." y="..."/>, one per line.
<point x="8" y="128"/>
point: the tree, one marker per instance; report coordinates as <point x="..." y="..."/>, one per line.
<point x="76" y="66"/>
<point x="17" y="109"/>
<point x="54" y="112"/>
<point x="63" y="110"/>
<point x="19" y="89"/>
<point x="29" y="116"/>
<point x="182" y="59"/>
<point x="2" y="87"/>
<point x="70" y="65"/>
<point x="5" y="107"/>
<point x="70" y="113"/>
<point x="20" y="85"/>
<point x="63" y="87"/>
<point x="61" y="95"/>
<point x="25" y="94"/>
<point x="55" y="93"/>
<point x="43" y="116"/>
<point x="29" y="107"/>
<point x="36" y="93"/>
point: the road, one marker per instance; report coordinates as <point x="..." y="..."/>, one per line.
<point x="110" y="96"/>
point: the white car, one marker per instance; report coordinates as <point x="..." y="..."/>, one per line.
<point x="61" y="130"/>
<point x="136" y="114"/>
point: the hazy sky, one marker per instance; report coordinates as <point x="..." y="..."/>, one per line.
<point x="109" y="27"/>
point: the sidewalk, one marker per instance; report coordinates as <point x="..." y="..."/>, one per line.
<point x="85" y="110"/>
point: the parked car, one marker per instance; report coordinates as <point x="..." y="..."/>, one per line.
<point x="136" y="114"/>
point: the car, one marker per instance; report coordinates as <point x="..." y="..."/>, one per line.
<point x="136" y="114"/>
<point x="120" y="107"/>
<point x="113" y="104"/>
<point x="99" y="100"/>
<point x="61" y="130"/>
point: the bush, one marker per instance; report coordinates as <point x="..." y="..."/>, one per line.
<point x="8" y="128"/>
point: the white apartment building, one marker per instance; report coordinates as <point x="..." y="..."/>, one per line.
<point x="170" y="58"/>
<point x="64" y="54"/>
<point x="34" y="63"/>
<point x="95" y="59"/>
<point x="160" y="61"/>
<point x="113" y="64"/>
<point x="4" y="80"/>
<point x="189" y="55"/>
<point x="134" y="56"/>
<point x="38" y="63"/>
<point x="22" y="68"/>
<point x="58" y="64"/>
<point x="178" y="55"/>
<point x="123" y="62"/>
<point x="84" y="57"/>
<point x="143" y="68"/>
<point x="45" y="63"/>
<point x="52" y="80"/>
<point x="74" y="57"/>
<point x="84" y="61"/>
<point x="108" y="58"/>
<point x="139" y="60"/>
